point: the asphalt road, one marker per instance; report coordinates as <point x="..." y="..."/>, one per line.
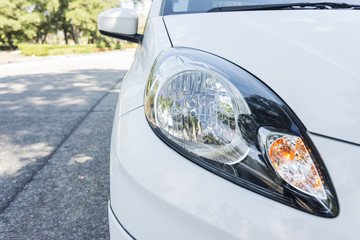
<point x="55" y="124"/>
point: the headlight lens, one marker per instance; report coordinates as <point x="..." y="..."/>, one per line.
<point x="198" y="110"/>
<point x="224" y="119"/>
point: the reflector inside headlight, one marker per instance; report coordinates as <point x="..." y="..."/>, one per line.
<point x="198" y="110"/>
<point x="291" y="159"/>
<point x="226" y="120"/>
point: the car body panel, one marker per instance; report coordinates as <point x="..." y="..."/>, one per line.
<point x="133" y="86"/>
<point x="158" y="194"/>
<point x="309" y="58"/>
<point x="156" y="9"/>
<point x="115" y="227"/>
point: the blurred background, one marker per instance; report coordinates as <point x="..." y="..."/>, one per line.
<point x="54" y="27"/>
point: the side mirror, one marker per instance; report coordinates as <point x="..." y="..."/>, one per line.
<point x="121" y="23"/>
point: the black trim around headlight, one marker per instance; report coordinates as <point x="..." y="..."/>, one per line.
<point x="266" y="109"/>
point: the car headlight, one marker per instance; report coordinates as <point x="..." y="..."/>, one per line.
<point x="226" y="120"/>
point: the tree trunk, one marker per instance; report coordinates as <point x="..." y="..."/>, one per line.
<point x="38" y="37"/>
<point x="44" y="39"/>
<point x="65" y="35"/>
<point x="76" y="34"/>
<point x="10" y="42"/>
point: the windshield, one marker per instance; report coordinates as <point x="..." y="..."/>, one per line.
<point x="199" y="6"/>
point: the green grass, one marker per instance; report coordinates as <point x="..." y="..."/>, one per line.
<point x="53" y="49"/>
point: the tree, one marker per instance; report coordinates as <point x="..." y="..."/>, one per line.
<point x="63" y="24"/>
<point x="17" y="21"/>
<point x="48" y="11"/>
<point x="82" y="16"/>
<point x="34" y="20"/>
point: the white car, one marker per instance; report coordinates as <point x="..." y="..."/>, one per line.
<point x="238" y="120"/>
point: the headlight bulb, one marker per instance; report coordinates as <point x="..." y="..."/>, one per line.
<point x="226" y="120"/>
<point x="291" y="160"/>
<point x="198" y="110"/>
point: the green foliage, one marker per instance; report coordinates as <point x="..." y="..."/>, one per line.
<point x="82" y="15"/>
<point x="17" y="21"/>
<point x="54" y="49"/>
<point x="32" y="21"/>
<point x="103" y="45"/>
<point x="48" y="12"/>
<point x="115" y="45"/>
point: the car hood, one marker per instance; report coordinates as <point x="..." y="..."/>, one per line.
<point x="310" y="58"/>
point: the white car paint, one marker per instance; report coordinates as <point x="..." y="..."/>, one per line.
<point x="158" y="194"/>
<point x="155" y="40"/>
<point x="108" y="20"/>
<point x="309" y="58"/>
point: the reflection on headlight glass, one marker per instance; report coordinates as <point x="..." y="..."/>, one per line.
<point x="194" y="109"/>
<point x="219" y="116"/>
<point x="291" y="160"/>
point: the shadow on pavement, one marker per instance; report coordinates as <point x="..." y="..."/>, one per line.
<point x="45" y="116"/>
